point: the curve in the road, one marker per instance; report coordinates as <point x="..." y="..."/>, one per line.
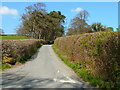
<point x="45" y="70"/>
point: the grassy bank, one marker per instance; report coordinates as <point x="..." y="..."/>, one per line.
<point x="85" y="74"/>
<point x="4" y="66"/>
<point x="97" y="54"/>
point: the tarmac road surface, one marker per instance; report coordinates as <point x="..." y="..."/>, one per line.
<point x="44" y="70"/>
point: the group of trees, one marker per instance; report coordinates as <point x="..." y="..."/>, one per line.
<point x="79" y="25"/>
<point x="39" y="24"/>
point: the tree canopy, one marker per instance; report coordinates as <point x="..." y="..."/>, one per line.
<point x="39" y="24"/>
<point x="79" y="24"/>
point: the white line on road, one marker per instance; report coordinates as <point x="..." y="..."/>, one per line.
<point x="64" y="81"/>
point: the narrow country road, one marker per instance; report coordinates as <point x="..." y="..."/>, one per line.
<point x="44" y="70"/>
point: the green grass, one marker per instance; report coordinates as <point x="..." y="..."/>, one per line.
<point x="12" y="37"/>
<point x="85" y="74"/>
<point x="4" y="66"/>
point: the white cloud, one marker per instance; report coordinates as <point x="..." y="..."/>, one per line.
<point x="5" y="10"/>
<point x="77" y="10"/>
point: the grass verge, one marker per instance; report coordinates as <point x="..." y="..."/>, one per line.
<point x="86" y="75"/>
<point x="4" y="66"/>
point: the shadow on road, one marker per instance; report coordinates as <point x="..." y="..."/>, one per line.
<point x="18" y="81"/>
<point x="41" y="73"/>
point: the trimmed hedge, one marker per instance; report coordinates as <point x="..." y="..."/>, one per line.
<point x="19" y="50"/>
<point x="98" y="52"/>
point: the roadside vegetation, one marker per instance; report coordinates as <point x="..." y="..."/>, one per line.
<point x="94" y="57"/>
<point x="92" y="51"/>
<point x="18" y="51"/>
<point x="4" y="66"/>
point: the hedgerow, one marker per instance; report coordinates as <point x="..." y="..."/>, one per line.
<point x="97" y="52"/>
<point x="19" y="50"/>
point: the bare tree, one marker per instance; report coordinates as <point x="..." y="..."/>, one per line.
<point x="79" y="24"/>
<point x="83" y="15"/>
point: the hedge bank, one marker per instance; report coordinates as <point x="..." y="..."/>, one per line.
<point x="19" y="50"/>
<point x="99" y="53"/>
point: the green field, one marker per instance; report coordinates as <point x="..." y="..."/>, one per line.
<point x="8" y="37"/>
